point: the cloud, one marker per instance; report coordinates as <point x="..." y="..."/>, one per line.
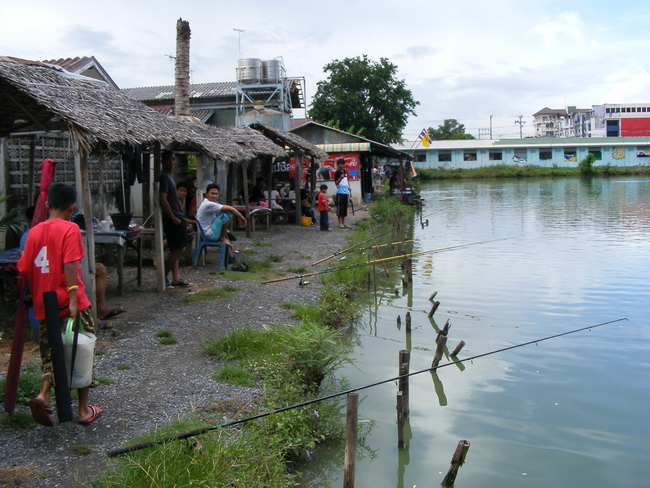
<point x="556" y="32"/>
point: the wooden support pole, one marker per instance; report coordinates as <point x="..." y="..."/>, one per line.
<point x="407" y="320"/>
<point x="438" y="355"/>
<point x="408" y="266"/>
<point x="460" y="345"/>
<point x="433" y="295"/>
<point x="400" y="420"/>
<point x="351" y="439"/>
<point x="399" y="321"/>
<point x="435" y="306"/>
<point x="444" y="331"/>
<point x="403" y="385"/>
<point x="457" y="460"/>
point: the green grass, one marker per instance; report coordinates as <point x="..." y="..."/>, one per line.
<point x="29" y="383"/>
<point x="225" y="291"/>
<point x="234" y="375"/>
<point x="299" y="271"/>
<point x="123" y="367"/>
<point x="259" y="243"/>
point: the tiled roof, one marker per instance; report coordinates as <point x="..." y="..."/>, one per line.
<point x="199" y="90"/>
<point x="202" y="114"/>
<point x="87" y="66"/>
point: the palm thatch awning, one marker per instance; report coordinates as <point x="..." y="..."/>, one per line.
<point x="292" y="141"/>
<point x="38" y="97"/>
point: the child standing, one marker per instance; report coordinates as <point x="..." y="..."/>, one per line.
<point x="51" y="262"/>
<point x="323" y="208"/>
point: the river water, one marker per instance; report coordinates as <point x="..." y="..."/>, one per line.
<point x="567" y="412"/>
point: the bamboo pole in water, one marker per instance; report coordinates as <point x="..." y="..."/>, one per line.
<point x="351" y="439"/>
<point x="444" y="331"/>
<point x="457" y="460"/>
<point x="460" y="345"/>
<point x="433" y="295"/>
<point x="435" y="306"/>
<point x="407" y="320"/>
<point x="400" y="420"/>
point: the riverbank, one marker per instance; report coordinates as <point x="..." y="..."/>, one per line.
<point x="147" y="384"/>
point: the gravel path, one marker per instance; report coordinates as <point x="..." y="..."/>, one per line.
<point x="166" y="382"/>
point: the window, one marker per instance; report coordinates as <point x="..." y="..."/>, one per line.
<point x="420" y="157"/>
<point x="444" y="156"/>
<point x="469" y="156"/>
<point x="633" y="109"/>
<point x="643" y="152"/>
<point x="496" y="156"/>
<point x="597" y="152"/>
<point x="520" y="157"/>
<point x="570" y="154"/>
<point x="545" y="154"/>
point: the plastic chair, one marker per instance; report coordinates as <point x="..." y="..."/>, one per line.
<point x="203" y="241"/>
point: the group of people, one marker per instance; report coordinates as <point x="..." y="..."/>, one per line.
<point x="214" y="218"/>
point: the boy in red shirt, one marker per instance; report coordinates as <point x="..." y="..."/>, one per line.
<point x="51" y="262"/>
<point x="324" y="208"/>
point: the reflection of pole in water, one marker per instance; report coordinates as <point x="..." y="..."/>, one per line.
<point x="403" y="455"/>
<point x="439" y="389"/>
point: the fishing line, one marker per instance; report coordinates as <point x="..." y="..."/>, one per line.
<point x="193" y="433"/>
<point x="332" y="270"/>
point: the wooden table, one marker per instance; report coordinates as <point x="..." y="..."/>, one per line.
<point x="122" y="240"/>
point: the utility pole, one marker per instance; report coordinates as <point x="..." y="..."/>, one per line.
<point x="521" y="126"/>
<point x="239" y="33"/>
<point x="485" y="131"/>
<point x="490" y="127"/>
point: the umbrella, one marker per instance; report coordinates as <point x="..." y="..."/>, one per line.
<point x="18" y="341"/>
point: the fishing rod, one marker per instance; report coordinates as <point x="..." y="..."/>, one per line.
<point x="351" y="247"/>
<point x="193" y="433"/>
<point x="374" y="261"/>
<point x="360" y="249"/>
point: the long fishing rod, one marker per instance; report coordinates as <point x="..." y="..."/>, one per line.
<point x="193" y="433"/>
<point x="374" y="261"/>
<point x="361" y="249"/>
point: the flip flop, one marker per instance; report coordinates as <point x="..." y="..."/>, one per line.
<point x="114" y="311"/>
<point x="96" y="413"/>
<point x="42" y="413"/>
<point x="105" y="325"/>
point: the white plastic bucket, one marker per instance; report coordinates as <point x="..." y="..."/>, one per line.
<point x="83" y="361"/>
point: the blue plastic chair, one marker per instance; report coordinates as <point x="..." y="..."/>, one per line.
<point x="205" y="242"/>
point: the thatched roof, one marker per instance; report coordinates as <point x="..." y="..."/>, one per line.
<point x="293" y="141"/>
<point x="38" y="97"/>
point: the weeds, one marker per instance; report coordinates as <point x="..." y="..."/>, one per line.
<point x="29" y="383"/>
<point x="225" y="291"/>
<point x="234" y="375"/>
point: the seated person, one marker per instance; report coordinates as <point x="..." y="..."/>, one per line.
<point x="305" y="205"/>
<point x="275" y="196"/>
<point x="215" y="219"/>
<point x="256" y="196"/>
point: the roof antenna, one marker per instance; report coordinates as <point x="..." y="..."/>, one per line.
<point x="239" y="33"/>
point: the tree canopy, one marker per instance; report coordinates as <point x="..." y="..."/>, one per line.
<point x="364" y="97"/>
<point x="449" y="129"/>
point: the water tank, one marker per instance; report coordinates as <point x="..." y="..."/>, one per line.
<point x="271" y="71"/>
<point x="249" y="70"/>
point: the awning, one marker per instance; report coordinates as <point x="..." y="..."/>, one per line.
<point x="345" y="147"/>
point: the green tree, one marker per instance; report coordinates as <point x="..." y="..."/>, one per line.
<point x="449" y="129"/>
<point x="364" y="97"/>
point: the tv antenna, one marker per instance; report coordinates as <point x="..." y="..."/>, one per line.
<point x="239" y="33"/>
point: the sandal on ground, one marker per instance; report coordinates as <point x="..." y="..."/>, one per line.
<point x="180" y="283"/>
<point x="114" y="311"/>
<point x="105" y="325"/>
<point x="96" y="413"/>
<point x="41" y="413"/>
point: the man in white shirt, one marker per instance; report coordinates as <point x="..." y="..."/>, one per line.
<point x="215" y="218"/>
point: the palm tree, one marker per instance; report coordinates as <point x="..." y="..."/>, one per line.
<point x="182" y="72"/>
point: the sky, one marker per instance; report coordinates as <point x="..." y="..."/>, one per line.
<point x="484" y="63"/>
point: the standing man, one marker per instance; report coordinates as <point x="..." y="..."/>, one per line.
<point x="51" y="262"/>
<point x="342" y="192"/>
<point x="173" y="219"/>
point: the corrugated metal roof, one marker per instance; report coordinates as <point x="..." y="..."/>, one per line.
<point x="200" y="90"/>
<point x="200" y="114"/>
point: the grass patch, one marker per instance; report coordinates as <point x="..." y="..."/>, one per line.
<point x="100" y="352"/>
<point x="240" y="344"/>
<point x="81" y="450"/>
<point x="103" y="380"/>
<point x="123" y="367"/>
<point x="19" y="476"/>
<point x="300" y="270"/>
<point x="259" y="243"/>
<point x="234" y="375"/>
<point x="29" y="383"/>
<point x="18" y="419"/>
<point x="225" y="291"/>
<point x="167" y="341"/>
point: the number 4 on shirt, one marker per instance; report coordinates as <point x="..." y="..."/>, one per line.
<point x="41" y="261"/>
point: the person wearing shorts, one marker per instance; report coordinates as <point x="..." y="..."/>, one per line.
<point x="173" y="220"/>
<point x="342" y="192"/>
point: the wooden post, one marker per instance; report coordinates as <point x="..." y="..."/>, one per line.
<point x="146" y="188"/>
<point x="400" y="420"/>
<point x="407" y="319"/>
<point x="408" y="264"/>
<point x="157" y="219"/>
<point x="438" y="355"/>
<point x="433" y="295"/>
<point x="457" y="460"/>
<point x="244" y="174"/>
<point x="81" y="159"/>
<point x="399" y="321"/>
<point x="403" y="385"/>
<point x="30" y="175"/>
<point x="435" y="306"/>
<point x="296" y="187"/>
<point x="460" y="345"/>
<point x="350" y="439"/>
<point x="444" y="331"/>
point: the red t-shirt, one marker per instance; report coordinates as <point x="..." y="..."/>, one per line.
<point x="322" y="202"/>
<point x="49" y="246"/>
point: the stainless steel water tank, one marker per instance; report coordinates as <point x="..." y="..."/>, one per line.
<point x="249" y="70"/>
<point x="271" y="71"/>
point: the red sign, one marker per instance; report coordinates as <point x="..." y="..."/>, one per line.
<point x="328" y="167"/>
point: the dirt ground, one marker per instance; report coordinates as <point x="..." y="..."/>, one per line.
<point x="148" y="384"/>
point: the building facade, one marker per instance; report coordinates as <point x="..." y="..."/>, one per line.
<point x="548" y="152"/>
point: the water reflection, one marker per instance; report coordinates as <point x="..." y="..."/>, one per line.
<point x="580" y="255"/>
